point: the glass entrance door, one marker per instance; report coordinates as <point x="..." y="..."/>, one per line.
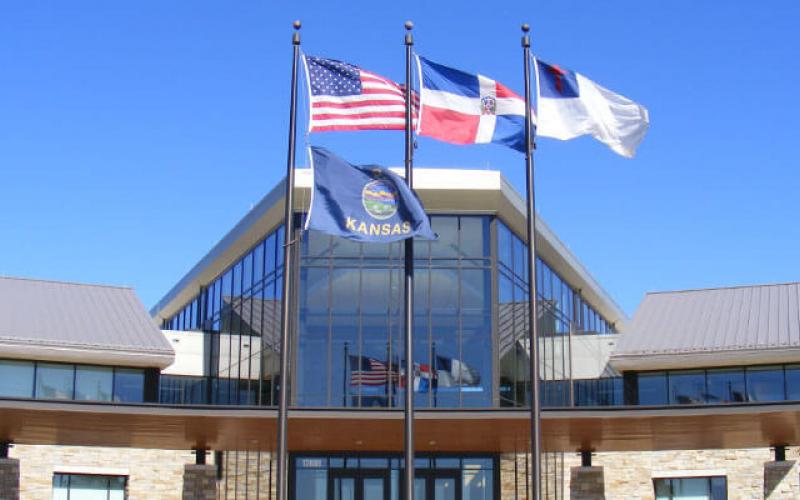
<point x="358" y="484"/>
<point x="441" y="484"/>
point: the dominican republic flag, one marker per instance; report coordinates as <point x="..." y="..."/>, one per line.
<point x="345" y="97"/>
<point x="570" y="105"/>
<point x="462" y="108"/>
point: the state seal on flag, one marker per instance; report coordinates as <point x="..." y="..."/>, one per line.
<point x="379" y="198"/>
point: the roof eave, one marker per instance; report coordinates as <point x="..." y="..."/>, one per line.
<point x="99" y="355"/>
<point x="704" y="359"/>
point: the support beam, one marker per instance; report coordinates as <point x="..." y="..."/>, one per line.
<point x="200" y="455"/>
<point x="586" y="458"/>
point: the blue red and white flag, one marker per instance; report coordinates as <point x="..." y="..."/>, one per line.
<point x="570" y="105"/>
<point x="345" y="97"/>
<point x="462" y="108"/>
<point x="368" y="371"/>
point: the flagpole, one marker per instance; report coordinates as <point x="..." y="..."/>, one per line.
<point x="533" y="337"/>
<point x="283" y="401"/>
<point x="408" y="411"/>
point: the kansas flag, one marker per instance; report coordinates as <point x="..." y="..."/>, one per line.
<point x="570" y="105"/>
<point x="366" y="203"/>
<point x="463" y="108"/>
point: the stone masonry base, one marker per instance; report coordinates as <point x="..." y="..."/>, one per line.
<point x="9" y="479"/>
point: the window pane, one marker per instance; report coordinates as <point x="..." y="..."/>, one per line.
<point x="93" y="383"/>
<point x="312" y="484"/>
<point x="54" y="381"/>
<point x="129" y="385"/>
<point x="792" y="382"/>
<point x="663" y="489"/>
<point x="725" y="385"/>
<point x="16" y="379"/>
<point x="765" y="384"/>
<point x="652" y="388"/>
<point x="687" y="387"/>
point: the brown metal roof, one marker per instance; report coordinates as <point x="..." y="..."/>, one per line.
<point x="78" y="322"/>
<point x="744" y="319"/>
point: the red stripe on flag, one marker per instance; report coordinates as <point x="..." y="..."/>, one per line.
<point x="448" y="125"/>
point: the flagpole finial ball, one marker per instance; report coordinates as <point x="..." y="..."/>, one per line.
<point x="297" y="25"/>
<point x="526" y="28"/>
<point x="409" y="25"/>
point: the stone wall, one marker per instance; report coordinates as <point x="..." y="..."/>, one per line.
<point x="9" y="479"/>
<point x="630" y="475"/>
<point x="152" y="474"/>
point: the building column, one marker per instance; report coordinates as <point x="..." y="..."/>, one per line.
<point x="778" y="478"/>
<point x="9" y="474"/>
<point x="586" y="482"/>
<point x="199" y="478"/>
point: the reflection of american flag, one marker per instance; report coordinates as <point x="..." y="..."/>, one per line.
<point x="346" y="97"/>
<point x="367" y="371"/>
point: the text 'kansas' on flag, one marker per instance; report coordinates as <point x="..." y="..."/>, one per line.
<point x="464" y="108"/>
<point x="345" y="97"/>
<point x="367" y="203"/>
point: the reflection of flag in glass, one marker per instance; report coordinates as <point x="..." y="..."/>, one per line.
<point x="367" y="371"/>
<point x="424" y="378"/>
<point x="452" y="372"/>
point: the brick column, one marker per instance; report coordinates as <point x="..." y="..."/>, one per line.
<point x="586" y="483"/>
<point x="199" y="482"/>
<point x="9" y="479"/>
<point x="779" y="481"/>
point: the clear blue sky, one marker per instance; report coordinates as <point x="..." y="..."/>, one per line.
<point x="133" y="135"/>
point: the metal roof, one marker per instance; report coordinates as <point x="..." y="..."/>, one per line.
<point x="763" y="320"/>
<point x="78" y="323"/>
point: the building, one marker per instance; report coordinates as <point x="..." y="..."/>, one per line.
<point x="682" y="401"/>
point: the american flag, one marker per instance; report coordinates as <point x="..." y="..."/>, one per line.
<point x="346" y="97"/>
<point x="367" y="371"/>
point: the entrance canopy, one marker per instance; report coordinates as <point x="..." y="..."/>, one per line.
<point x="568" y="430"/>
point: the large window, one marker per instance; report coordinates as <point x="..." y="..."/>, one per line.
<point x="45" y="380"/>
<point x="88" y="487"/>
<point x="350" y="331"/>
<point x="720" y="385"/>
<point x="692" y="488"/>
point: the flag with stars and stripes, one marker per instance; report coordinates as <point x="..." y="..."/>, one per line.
<point x="345" y="97"/>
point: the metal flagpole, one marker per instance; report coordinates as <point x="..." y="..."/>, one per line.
<point x="533" y="336"/>
<point x="408" y="412"/>
<point x="286" y="309"/>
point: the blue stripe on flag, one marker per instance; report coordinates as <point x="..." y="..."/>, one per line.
<point x="438" y="77"/>
<point x="509" y="130"/>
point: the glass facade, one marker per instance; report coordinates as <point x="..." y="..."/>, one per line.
<point x="374" y="477"/>
<point x="42" y="380"/>
<point x="239" y="312"/>
<point x="719" y="385"/>
<point x="350" y="327"/>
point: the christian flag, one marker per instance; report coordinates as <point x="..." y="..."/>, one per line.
<point x="570" y="105"/>
<point x="462" y="108"/>
<point x="367" y="203"/>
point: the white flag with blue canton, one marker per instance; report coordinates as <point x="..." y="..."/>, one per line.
<point x="570" y="105"/>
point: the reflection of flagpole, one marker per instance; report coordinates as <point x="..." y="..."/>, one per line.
<point x="434" y="379"/>
<point x="533" y="338"/>
<point x="286" y="310"/>
<point x="344" y="379"/>
<point x="408" y="413"/>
